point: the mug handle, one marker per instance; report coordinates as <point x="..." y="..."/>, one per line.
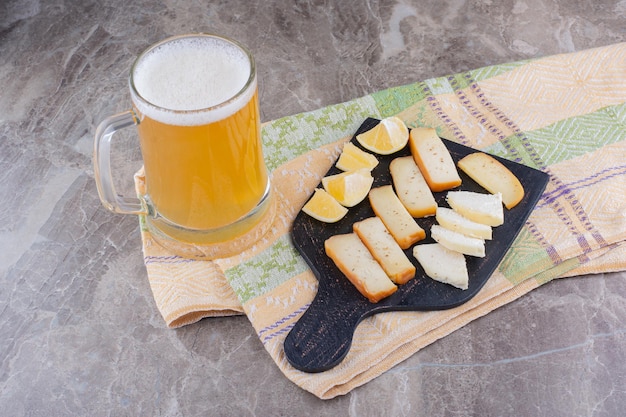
<point x="102" y="165"/>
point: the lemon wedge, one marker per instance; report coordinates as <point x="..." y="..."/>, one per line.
<point x="353" y="158"/>
<point x="387" y="137"/>
<point x="349" y="188"/>
<point x="323" y="207"/>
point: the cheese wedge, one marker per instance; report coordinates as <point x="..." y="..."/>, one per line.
<point x="385" y="249"/>
<point x="452" y="220"/>
<point x="355" y="261"/>
<point x="396" y="218"/>
<point x="481" y="208"/>
<point x="433" y="159"/>
<point x="457" y="241"/>
<point x="493" y="176"/>
<point x="411" y="187"/>
<point x="443" y="264"/>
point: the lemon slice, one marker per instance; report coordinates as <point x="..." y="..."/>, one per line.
<point x="349" y="188"/>
<point x="353" y="158"/>
<point x="322" y="206"/>
<point x="387" y="137"/>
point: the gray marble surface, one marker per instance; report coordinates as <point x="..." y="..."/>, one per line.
<point x="79" y="330"/>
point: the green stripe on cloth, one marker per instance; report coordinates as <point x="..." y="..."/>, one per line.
<point x="393" y="100"/>
<point x="557" y="271"/>
<point x="570" y="138"/>
<point x="525" y="258"/>
<point x="277" y="264"/>
<point x="565" y="139"/>
<point x="287" y="138"/>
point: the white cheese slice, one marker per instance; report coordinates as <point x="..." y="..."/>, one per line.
<point x="452" y="220"/>
<point x="458" y="242"/>
<point x="482" y="208"/>
<point x="442" y="264"/>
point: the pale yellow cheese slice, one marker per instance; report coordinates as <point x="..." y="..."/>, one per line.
<point x="411" y="187"/>
<point x="356" y="262"/>
<point x="385" y="249"/>
<point x="395" y="216"/>
<point x="493" y="176"/>
<point x="433" y="159"/>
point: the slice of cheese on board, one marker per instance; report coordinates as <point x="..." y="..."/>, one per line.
<point x="433" y="159"/>
<point x="442" y="264"/>
<point x="411" y="187"/>
<point x="385" y="249"/>
<point x="395" y="216"/>
<point x="457" y="241"/>
<point x="493" y="176"/>
<point x="355" y="261"/>
<point x="452" y="220"/>
<point x="481" y="208"/>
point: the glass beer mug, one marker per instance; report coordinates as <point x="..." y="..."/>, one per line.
<point x="196" y="108"/>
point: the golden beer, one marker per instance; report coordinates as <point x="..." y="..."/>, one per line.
<point x="199" y="129"/>
<point x="205" y="176"/>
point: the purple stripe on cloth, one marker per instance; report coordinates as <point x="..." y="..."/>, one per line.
<point x="594" y="179"/>
<point x="500" y="116"/>
<point x="473" y="110"/>
<point x="278" y="333"/>
<point x="582" y="242"/>
<point x="436" y="108"/>
<point x="539" y="237"/>
<point x="554" y="255"/>
<point x="279" y="323"/>
<point x="480" y="95"/>
<point x="566" y="192"/>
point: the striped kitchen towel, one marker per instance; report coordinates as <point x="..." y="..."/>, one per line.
<point x="564" y="115"/>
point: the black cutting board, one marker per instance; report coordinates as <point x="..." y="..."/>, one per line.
<point x="322" y="336"/>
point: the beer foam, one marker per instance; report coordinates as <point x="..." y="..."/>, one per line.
<point x="192" y="74"/>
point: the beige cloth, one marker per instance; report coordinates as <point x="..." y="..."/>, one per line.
<point x="563" y="114"/>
